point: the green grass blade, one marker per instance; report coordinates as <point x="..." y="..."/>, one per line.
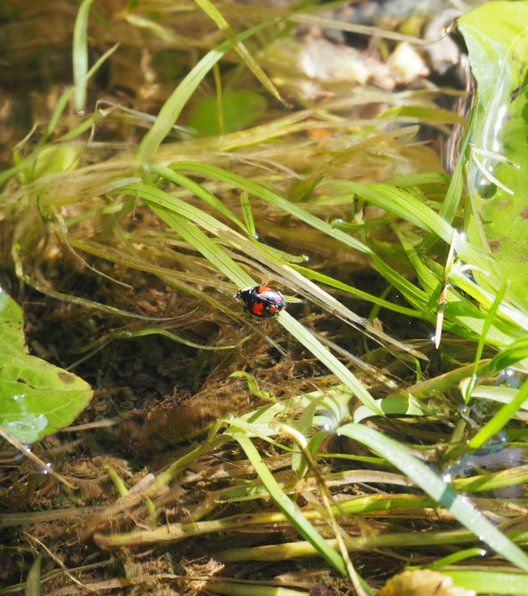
<point x="339" y="285"/>
<point x="403" y="204"/>
<point x="199" y="191"/>
<point x="245" y="203"/>
<point x="34" y="578"/>
<point x="436" y="488"/>
<point x="328" y="359"/>
<point x="57" y="113"/>
<point x="249" y="588"/>
<point x="80" y="55"/>
<point x="403" y="406"/>
<point x="509" y="356"/>
<point x="289" y="508"/>
<point x="369" y="542"/>
<point x="499" y="421"/>
<point x="132" y="334"/>
<point x="215" y="15"/>
<point x="65" y="98"/>
<point x="173" y="106"/>
<point x="490" y="582"/>
<point x="453" y="196"/>
<point x="207" y="247"/>
<point x="413" y="294"/>
<point x="256" y="189"/>
<point x="490" y="317"/>
<point x="516" y="317"/>
<point x="461" y="555"/>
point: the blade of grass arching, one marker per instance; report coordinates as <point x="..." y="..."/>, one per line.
<point x="508" y="312"/>
<point x="256" y="189"/>
<point x="57" y="113"/>
<point x="412" y="293"/>
<point x="216" y="16"/>
<point x="320" y="21"/>
<point x="199" y="191"/>
<point x="219" y="99"/>
<point x="509" y="356"/>
<point x="423" y="114"/>
<point x="339" y="285"/>
<point x="101" y="60"/>
<point x="411" y="180"/>
<point x="64" y="99"/>
<point x="131" y="334"/>
<point x="493" y="481"/>
<point x="457" y="308"/>
<point x="34" y="578"/>
<point x="172" y="108"/>
<point x="404" y="205"/>
<point x="450" y="205"/>
<point x="207" y="247"/>
<point x="328" y="359"/>
<point x="80" y="55"/>
<point x="501" y="418"/>
<point x="289" y="508"/>
<point x="326" y="301"/>
<point x="498" y="393"/>
<point x="367" y="542"/>
<point x="401" y="203"/>
<point x="461" y="555"/>
<point x="436" y="488"/>
<point x="404" y="406"/>
<point x="451" y="202"/>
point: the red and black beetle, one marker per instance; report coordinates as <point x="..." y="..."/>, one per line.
<point x="262" y="301"/>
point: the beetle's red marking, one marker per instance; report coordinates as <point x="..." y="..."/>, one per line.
<point x="262" y="289"/>
<point x="257" y="308"/>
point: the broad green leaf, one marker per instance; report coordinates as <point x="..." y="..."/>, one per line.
<point x="55" y="159"/>
<point x="496" y="35"/>
<point x="36" y="398"/>
<point x="402" y="406"/>
<point x="240" y="109"/>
